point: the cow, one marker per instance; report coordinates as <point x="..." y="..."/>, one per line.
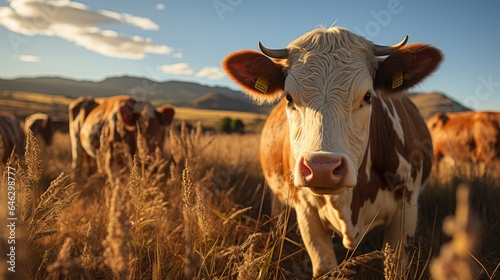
<point x="345" y="146"/>
<point x="12" y="138"/>
<point x="117" y="119"/>
<point x="44" y="126"/>
<point x="465" y="136"/>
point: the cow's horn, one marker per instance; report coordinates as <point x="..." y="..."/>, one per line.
<point x="386" y="50"/>
<point x="281" y="53"/>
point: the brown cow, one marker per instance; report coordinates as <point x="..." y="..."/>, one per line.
<point x="118" y="118"/>
<point x="465" y="136"/>
<point x="44" y="126"/>
<point x="345" y="147"/>
<point x="12" y="137"/>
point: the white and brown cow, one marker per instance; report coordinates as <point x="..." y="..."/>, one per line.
<point x="119" y="119"/>
<point x="12" y="138"/>
<point x="345" y="147"/>
<point x="44" y="126"/>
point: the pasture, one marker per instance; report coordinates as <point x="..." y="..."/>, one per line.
<point x="202" y="211"/>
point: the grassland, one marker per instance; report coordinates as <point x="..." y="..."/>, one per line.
<point x="23" y="104"/>
<point x="209" y="118"/>
<point x="201" y="211"/>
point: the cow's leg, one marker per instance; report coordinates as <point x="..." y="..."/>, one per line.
<point x="401" y="230"/>
<point x="437" y="159"/>
<point x="76" y="150"/>
<point x="316" y="238"/>
<point x="109" y="164"/>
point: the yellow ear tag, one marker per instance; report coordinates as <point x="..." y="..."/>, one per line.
<point x="397" y="79"/>
<point x="261" y="84"/>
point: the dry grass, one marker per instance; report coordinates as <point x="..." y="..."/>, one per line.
<point x="26" y="103"/>
<point x="202" y="212"/>
<point x="455" y="259"/>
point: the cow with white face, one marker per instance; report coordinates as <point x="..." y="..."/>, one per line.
<point x="345" y="147"/>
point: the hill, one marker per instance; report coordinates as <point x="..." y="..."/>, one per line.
<point x="174" y="92"/>
<point x="217" y="101"/>
<point x="434" y="102"/>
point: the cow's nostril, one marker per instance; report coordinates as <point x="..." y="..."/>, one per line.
<point x="306" y="170"/>
<point x="340" y="170"/>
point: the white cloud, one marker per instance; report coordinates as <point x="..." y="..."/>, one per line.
<point x="177" y="69"/>
<point x="211" y="73"/>
<point x="28" y="58"/>
<point x="160" y="6"/>
<point x="76" y="23"/>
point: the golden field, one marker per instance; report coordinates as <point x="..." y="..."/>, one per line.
<point x="199" y="208"/>
<point x="201" y="211"/>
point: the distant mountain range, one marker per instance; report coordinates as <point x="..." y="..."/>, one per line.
<point x="173" y="92"/>
<point x="183" y="94"/>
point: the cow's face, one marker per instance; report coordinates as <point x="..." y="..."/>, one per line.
<point x="329" y="77"/>
<point x="151" y="122"/>
<point x="437" y="121"/>
<point x="158" y="124"/>
<point x="328" y="109"/>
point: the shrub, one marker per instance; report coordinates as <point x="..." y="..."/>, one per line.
<point x="224" y="125"/>
<point x="238" y="126"/>
<point x="228" y="126"/>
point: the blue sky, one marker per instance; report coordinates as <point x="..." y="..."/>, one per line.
<point x="187" y="40"/>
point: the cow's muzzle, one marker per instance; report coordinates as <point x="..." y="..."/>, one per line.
<point x="324" y="173"/>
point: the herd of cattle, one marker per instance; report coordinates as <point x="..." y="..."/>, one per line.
<point x="120" y="119"/>
<point x="344" y="146"/>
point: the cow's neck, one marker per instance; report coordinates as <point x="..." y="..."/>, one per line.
<point x="385" y="140"/>
<point x="378" y="170"/>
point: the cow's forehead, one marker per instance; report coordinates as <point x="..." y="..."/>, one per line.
<point x="333" y="58"/>
<point x="330" y="41"/>
<point x="341" y="65"/>
<point x="330" y="76"/>
<point x="144" y="108"/>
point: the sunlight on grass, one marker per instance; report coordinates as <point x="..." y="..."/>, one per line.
<point x="200" y="210"/>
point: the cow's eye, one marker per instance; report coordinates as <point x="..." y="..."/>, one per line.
<point x="368" y="98"/>
<point x="290" y="103"/>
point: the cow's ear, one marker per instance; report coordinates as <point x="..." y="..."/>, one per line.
<point x="407" y="67"/>
<point x="256" y="74"/>
<point x="165" y="114"/>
